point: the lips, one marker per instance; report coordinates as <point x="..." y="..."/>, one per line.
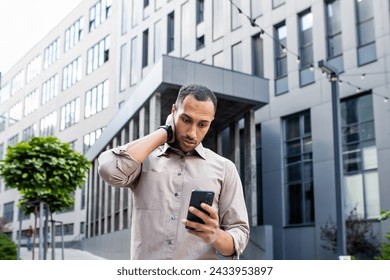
<point x="189" y="142"/>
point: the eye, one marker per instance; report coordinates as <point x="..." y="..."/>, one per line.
<point x="203" y="125"/>
<point x="186" y="120"/>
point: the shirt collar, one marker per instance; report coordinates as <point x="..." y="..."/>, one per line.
<point x="199" y="150"/>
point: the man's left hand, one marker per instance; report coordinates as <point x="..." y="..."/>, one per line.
<point x="208" y="231"/>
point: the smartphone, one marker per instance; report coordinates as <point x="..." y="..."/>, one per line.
<point x="197" y="197"/>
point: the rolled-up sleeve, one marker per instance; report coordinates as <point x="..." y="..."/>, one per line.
<point x="233" y="211"/>
<point x="118" y="168"/>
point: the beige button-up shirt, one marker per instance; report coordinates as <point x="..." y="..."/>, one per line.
<point x="162" y="187"/>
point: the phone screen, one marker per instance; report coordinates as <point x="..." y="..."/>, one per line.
<point x="197" y="198"/>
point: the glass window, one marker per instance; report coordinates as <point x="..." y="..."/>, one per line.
<point x="333" y="20"/>
<point x="125" y="16"/>
<point x="90" y="138"/>
<point x="71" y="73"/>
<point x="365" y="31"/>
<point x="4" y="92"/>
<point x="29" y="132"/>
<point x="235" y="15"/>
<point x="237" y="58"/>
<point x="15" y="113"/>
<point x="171" y="33"/>
<point x="281" y="83"/>
<point x="186" y="30"/>
<point x="99" y="13"/>
<point x="33" y="68"/>
<point x="74" y="34"/>
<point x="134" y="62"/>
<point x="98" y="54"/>
<point x="306" y="74"/>
<point x="70" y="114"/>
<point x="199" y="11"/>
<point x="299" y="169"/>
<point x="145" y="48"/>
<point x="31" y="102"/>
<point x="3" y="119"/>
<point x="13" y="140"/>
<point x="96" y="99"/>
<point x="159" y="4"/>
<point x="219" y="60"/>
<point x="17" y="82"/>
<point x="277" y="3"/>
<point x="123" y="68"/>
<point x="136" y="12"/>
<point x="52" y="52"/>
<point x="360" y="156"/>
<point x="49" y="89"/>
<point x="8" y="211"/>
<point x="200" y="42"/>
<point x="334" y="34"/>
<point x="48" y="124"/>
<point x="157" y="40"/>
<point x="256" y="9"/>
<point x="280" y="51"/>
<point x="219" y="11"/>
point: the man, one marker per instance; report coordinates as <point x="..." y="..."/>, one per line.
<point x="163" y="168"/>
<point x="29" y="233"/>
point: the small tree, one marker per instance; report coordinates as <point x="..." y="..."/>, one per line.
<point x="361" y="241"/>
<point x="46" y="170"/>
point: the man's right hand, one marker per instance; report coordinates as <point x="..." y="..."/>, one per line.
<point x="170" y="121"/>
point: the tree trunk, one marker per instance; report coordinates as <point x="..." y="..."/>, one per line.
<point x="35" y="231"/>
<point x="53" y="255"/>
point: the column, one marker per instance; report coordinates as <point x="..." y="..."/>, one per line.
<point x="250" y="166"/>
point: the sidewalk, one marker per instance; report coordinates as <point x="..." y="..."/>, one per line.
<point x="69" y="254"/>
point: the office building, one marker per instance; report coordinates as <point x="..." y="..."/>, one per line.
<point x="109" y="72"/>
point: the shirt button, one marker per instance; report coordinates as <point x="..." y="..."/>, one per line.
<point x="179" y="173"/>
<point x="176" y="194"/>
<point x="173" y="217"/>
<point x="169" y="242"/>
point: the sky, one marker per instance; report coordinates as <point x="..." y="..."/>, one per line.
<point x="23" y="23"/>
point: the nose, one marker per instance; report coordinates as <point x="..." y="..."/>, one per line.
<point x="191" y="132"/>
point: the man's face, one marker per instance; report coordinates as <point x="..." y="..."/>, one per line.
<point x="192" y="121"/>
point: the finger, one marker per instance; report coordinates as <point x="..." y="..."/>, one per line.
<point x="200" y="214"/>
<point x="210" y="210"/>
<point x="192" y="226"/>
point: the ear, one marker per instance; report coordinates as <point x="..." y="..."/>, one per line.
<point x="173" y="110"/>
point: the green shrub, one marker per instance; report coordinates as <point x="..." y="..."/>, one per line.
<point x="7" y="248"/>
<point x="385" y="246"/>
<point x="361" y="241"/>
<point x="385" y="249"/>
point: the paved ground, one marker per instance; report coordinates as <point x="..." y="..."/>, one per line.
<point x="69" y="254"/>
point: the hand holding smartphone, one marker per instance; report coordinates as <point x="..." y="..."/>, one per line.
<point x="197" y="198"/>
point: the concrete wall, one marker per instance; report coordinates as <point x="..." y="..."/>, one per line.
<point x="113" y="246"/>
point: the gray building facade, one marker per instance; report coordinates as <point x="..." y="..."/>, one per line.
<point x="119" y="64"/>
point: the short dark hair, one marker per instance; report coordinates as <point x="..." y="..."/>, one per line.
<point x="199" y="92"/>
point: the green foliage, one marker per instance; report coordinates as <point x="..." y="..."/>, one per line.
<point x="361" y="242"/>
<point x="385" y="249"/>
<point x="384" y="215"/>
<point x="44" y="169"/>
<point x="7" y="248"/>
<point x="385" y="246"/>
